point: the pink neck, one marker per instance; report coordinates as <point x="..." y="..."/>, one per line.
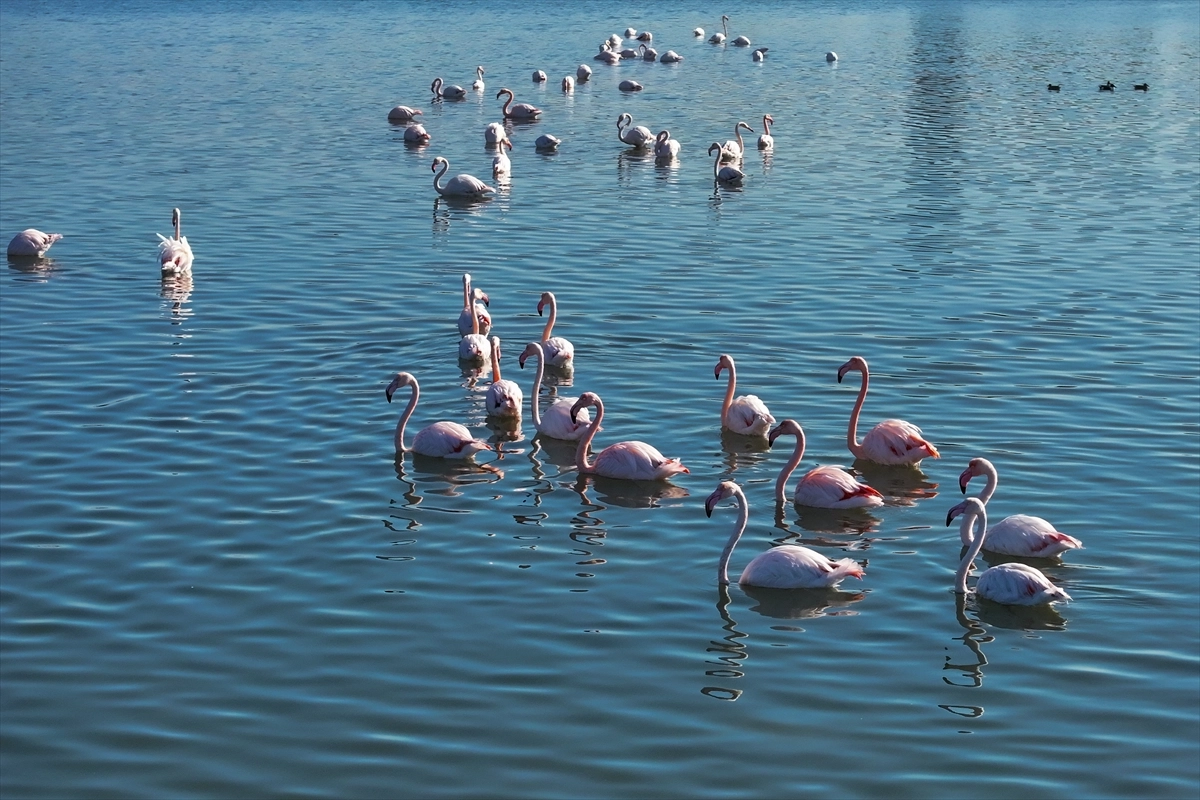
<point x="730" y="388"/>
<point x="743" y="518"/>
<point x="550" y="322"/>
<point x="789" y="467"/>
<point x="408" y="410"/>
<point x="852" y="430"/>
<point x="581" y="458"/>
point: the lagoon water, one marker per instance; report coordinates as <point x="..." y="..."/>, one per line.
<point x="217" y="580"/>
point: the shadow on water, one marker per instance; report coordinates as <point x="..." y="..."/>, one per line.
<point x="742" y="451"/>
<point x="176" y="290"/>
<point x="40" y="267"/>
<point x="630" y="494"/>
<point x="900" y="485"/>
<point x="855" y="521"/>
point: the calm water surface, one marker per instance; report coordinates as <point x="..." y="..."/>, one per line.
<point x="216" y="579"/>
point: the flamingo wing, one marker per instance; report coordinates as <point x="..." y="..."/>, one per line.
<point x="749" y="416"/>
<point x="504" y="399"/>
<point x="175" y="255"/>
<point x="636" y="461"/>
<point x="447" y="440"/>
<point x="1024" y="535"/>
<point x="32" y="242"/>
<point x="557" y="424"/>
<point x="558" y="351"/>
<point x="794" y="567"/>
<point x="474" y="347"/>
<point x="832" y="487"/>
<point x="895" y="441"/>
<point x="1018" y="585"/>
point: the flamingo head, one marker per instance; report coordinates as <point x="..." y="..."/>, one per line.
<point x="433" y="87"/>
<point x="972" y="506"/>
<point x="401" y="379"/>
<point x="857" y="363"/>
<point x="723" y="363"/>
<point x="586" y="399"/>
<point x="503" y="91"/>
<point x="713" y="146"/>
<point x="744" y="125"/>
<point x="662" y="136"/>
<point x="975" y="467"/>
<point x="547" y="299"/>
<point x="789" y="427"/>
<point x="433" y="168"/>
<point x="531" y="349"/>
<point x="767" y="117"/>
<point x="480" y="297"/>
<point x="724" y="490"/>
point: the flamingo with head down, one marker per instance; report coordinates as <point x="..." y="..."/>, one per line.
<point x="494" y="133"/>
<point x="747" y="414"/>
<point x="32" y="242"/>
<point x="892" y="441"/>
<point x="439" y="440"/>
<point x="518" y="111"/>
<point x="557" y="422"/>
<point x="559" y="351"/>
<point x="826" y="486"/>
<point x="1011" y="584"/>
<point x="174" y="253"/>
<point x="632" y="461"/>
<point x="786" y="566"/>
<point x="403" y="114"/>
<point x="504" y="398"/>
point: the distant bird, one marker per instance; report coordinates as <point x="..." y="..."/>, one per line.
<point x="786" y="566"/>
<point x="547" y="142"/>
<point x="539" y="76"/>
<point x="478" y="84"/>
<point x="719" y="38"/>
<point x="444" y="92"/>
<point x="568" y="84"/>
<point x="439" y="440"/>
<point x="747" y="414"/>
<point x="403" y="114"/>
<point x="174" y="254"/>
<point x="473" y="346"/>
<point x="638" y="136"/>
<point x="726" y="174"/>
<point x="670" y="57"/>
<point x="629" y="53"/>
<point x="741" y="41"/>
<point x="504" y="399"/>
<point x="632" y="460"/>
<point x="1141" y="87"/>
<point x="665" y="148"/>
<point x="607" y="55"/>
<point x="759" y="54"/>
<point x="1016" y="535"/>
<point x="501" y="164"/>
<point x="629" y="86"/>
<point x="416" y="134"/>
<point x="1009" y="584"/>
<point x="698" y="33"/>
<point x="1053" y="87"/>
<point x="32" y="242"/>
<point x="631" y="33"/>
<point x="826" y="486"/>
<point x="766" y="141"/>
<point x="645" y="36"/>
<point x="1107" y="86"/>
<point x="831" y="56"/>
<point x="892" y="441"/>
<point x="460" y="185"/>
<point x="494" y="133"/>
<point x="583" y="73"/>
<point x="556" y="422"/>
<point x="519" y="111"/>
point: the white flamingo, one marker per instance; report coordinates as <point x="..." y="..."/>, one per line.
<point x="462" y="185"/>
<point x="32" y="242"/>
<point x="501" y="165"/>
<point x="648" y="53"/>
<point x="727" y="173"/>
<point x="645" y="36"/>
<point x="1016" y="535"/>
<point x="786" y="566"/>
<point x="629" y="86"/>
<point x="759" y="54"/>
<point x="474" y="346"/>
<point x="766" y="141"/>
<point x="629" y="53"/>
<point x="734" y="149"/>
<point x="439" y="440"/>
<point x="503" y="399"/>
<point x="631" y="33"/>
<point x="568" y="84"/>
<point x="174" y="253"/>
<point x="547" y="142"/>
<point x="452" y="92"/>
<point x="892" y="441"/>
<point x="638" y="136"/>
<point x="472" y="297"/>
<point x="478" y="85"/>
<point x="633" y="461"/>
<point x="539" y="76"/>
<point x="608" y="55"/>
<point x="666" y="148"/>
<point x="557" y="422"/>
<point x="670" y="57"/>
<point x="416" y="134"/>
<point x="747" y="414"/>
<point x="719" y="38"/>
<point x="698" y="33"/>
<point x="1011" y="584"/>
<point x="559" y="351"/>
<point x="494" y="133"/>
<point x="404" y="114"/>
<point x="827" y="486"/>
<point x="583" y="73"/>
<point x="518" y="111"/>
<point x="741" y="41"/>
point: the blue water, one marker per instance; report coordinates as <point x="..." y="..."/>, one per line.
<point x="216" y="579"/>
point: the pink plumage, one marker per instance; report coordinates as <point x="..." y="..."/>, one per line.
<point x="32" y="242"/>
<point x="634" y="461"/>
<point x="821" y="487"/>
<point x="747" y="414"/>
<point x="1016" y="535"/>
<point x="893" y="441"/>
<point x="1010" y="584"/>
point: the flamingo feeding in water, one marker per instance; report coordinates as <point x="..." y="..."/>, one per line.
<point x="786" y="566"/>
<point x="826" y="486"/>
<point x="1016" y="535"/>
<point x="557" y="422"/>
<point x="472" y="297"/>
<point x="759" y="54"/>
<point x="174" y="254"/>
<point x="583" y="73"/>
<point x="635" y="136"/>
<point x="559" y="351"/>
<point x="403" y="114"/>
<point x="503" y="399"/>
<point x="670" y="57"/>
<point x="766" y="141"/>
<point x="892" y="441"/>
<point x="518" y="111"/>
<point x="494" y="133"/>
<point x="462" y="185"/>
<point x="1012" y="584"/>
<point x="632" y="461"/>
<point x="439" y="440"/>
<point x="32" y="242"/>
<point x="747" y="414"/>
<point x="726" y="173"/>
<point x="443" y="92"/>
<point x="473" y="346"/>
<point x="416" y="134"/>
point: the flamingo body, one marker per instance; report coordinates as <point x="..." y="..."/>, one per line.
<point x="632" y="460"/>
<point x="568" y="84"/>
<point x="583" y="73"/>
<point x="1010" y="584"/>
<point x="719" y="38"/>
<point x="504" y="397"/>
<point x="635" y="136"/>
<point x="556" y="423"/>
<point x="460" y="185"/>
<point x="501" y="164"/>
<point x="451" y="92"/>
<point x="747" y="414"/>
<point x="759" y="54"/>
<point x="1016" y="535"/>
<point x="473" y="297"/>
<point x="478" y="85"/>
<point x="403" y="114"/>
<point x="665" y="147"/>
<point x="494" y="133"/>
<point x="439" y="440"/>
<point x="726" y="173"/>
<point x="559" y="352"/>
<point x="518" y="111"/>
<point x="416" y="134"/>
<point x="174" y="253"/>
<point x="766" y="141"/>
<point x="630" y="86"/>
<point x="734" y="149"/>
<point x="825" y="486"/>
<point x="547" y="142"/>
<point x="892" y="441"/>
<point x="670" y="57"/>
<point x="741" y="41"/>
<point x="32" y="242"/>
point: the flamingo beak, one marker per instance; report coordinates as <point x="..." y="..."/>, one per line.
<point x="541" y="305"/>
<point x="388" y="393"/>
<point x="842" y="370"/>
<point x="711" y="502"/>
<point x="773" y="435"/>
<point x="954" y="512"/>
<point x="964" y="479"/>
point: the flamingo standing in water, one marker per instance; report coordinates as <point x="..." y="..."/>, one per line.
<point x="719" y="38"/>
<point x="726" y="173"/>
<point x="518" y="111"/>
<point x="501" y="165"/>
<point x="504" y="398"/>
<point x="638" y="136"/>
<point x="892" y="441"/>
<point x="734" y="149"/>
<point x="821" y="487"/>
<point x="32" y="242"/>
<point x="1017" y="535"/>
<point x="1011" y="584"/>
<point x="747" y="414"/>
<point x="474" y="346"/>
<point x="766" y="141"/>
<point x="443" y="92"/>
<point x="174" y="254"/>
<point x="478" y="84"/>
<point x="463" y="185"/>
<point x="632" y="461"/>
<point x="666" y="148"/>
<point x="557" y="422"/>
<point x="472" y="297"/>
<point x="441" y="439"/>
<point x="787" y="566"/>
<point x="559" y="351"/>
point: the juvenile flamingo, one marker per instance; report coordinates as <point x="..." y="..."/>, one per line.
<point x="32" y="242"/>
<point x="557" y="422"/>
<point x="473" y="347"/>
<point x="1011" y="584"/>
<point x="766" y="141"/>
<point x="441" y="439"/>
<point x="892" y="441"/>
<point x="786" y="566"/>
<point x="472" y="297"/>
<point x="174" y="254"/>
<point x="519" y="111"/>
<point x="504" y="398"/>
<point x="821" y="487"/>
<point x="638" y="136"/>
<point x="726" y="173"/>
<point x="734" y="149"/>
<point x="1017" y="535"/>
<point x="463" y="185"/>
<point x="559" y="351"/>
<point x="747" y="414"/>
<point x="632" y="461"/>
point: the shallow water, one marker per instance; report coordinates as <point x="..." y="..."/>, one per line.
<point x="216" y="579"/>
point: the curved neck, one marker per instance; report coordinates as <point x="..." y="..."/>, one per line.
<point x="537" y="387"/>
<point x="992" y="480"/>
<point x="408" y="410"/>
<point x="438" y="186"/>
<point x="725" y="26"/>
<point x="730" y="388"/>
<point x="177" y="221"/>
<point x="717" y="163"/>
<point x="737" y="131"/>
<point x="743" y="518"/>
<point x="852" y="430"/>
<point x="550" y="322"/>
<point x="766" y="127"/>
<point x="969" y="518"/>
<point x="466" y="291"/>
<point x="788" y="468"/>
<point x="495" y="356"/>
<point x="581" y="459"/>
<point x="474" y="313"/>
<point x="507" y="102"/>
<point x="620" y="128"/>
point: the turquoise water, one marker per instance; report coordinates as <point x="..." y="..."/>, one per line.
<point x="216" y="578"/>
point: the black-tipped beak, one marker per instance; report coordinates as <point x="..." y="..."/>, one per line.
<point x="388" y="393"/>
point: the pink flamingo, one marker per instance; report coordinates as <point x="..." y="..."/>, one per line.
<point x="821" y="487"/>
<point x="734" y="149"/>
<point x="1017" y="535"/>
<point x="32" y="242"/>
<point x="892" y="441"/>
<point x="766" y="141"/>
<point x="786" y="566"/>
<point x="633" y="461"/>
<point x="557" y="423"/>
<point x="174" y="254"/>
<point x="1011" y="584"/>
<point x="518" y="110"/>
<point x="462" y="185"/>
<point x="474" y="346"/>
<point x="439" y="440"/>
<point x="504" y="398"/>
<point x="559" y="351"/>
<point x="472" y="297"/>
<point x="747" y="414"/>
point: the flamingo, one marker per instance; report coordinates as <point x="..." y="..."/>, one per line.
<point x="645" y="36"/>
<point x="759" y="54"/>
<point x="629" y="53"/>
<point x="633" y="461"/>
<point x="557" y="422"/>
<point x="174" y="254"/>
<point x="631" y="33"/>
<point x="475" y="294"/>
<point x="671" y="57"/>
<point x="568" y="84"/>
<point x="766" y="141"/>
<point x="613" y="41"/>
<point x="504" y="398"/>
<point x="559" y="351"/>
<point x="539" y="76"/>
<point x="734" y="149"/>
<point x="583" y="73"/>
<point x="608" y="55"/>
<point x="416" y="134"/>
<point x="501" y="165"/>
<point x="494" y="133"/>
<point x="719" y="38"/>
<point x="741" y="41"/>
<point x="520" y="111"/>
<point x="892" y="441"/>
<point x="546" y="142"/>
<point x="648" y="53"/>
<point x="460" y="185"/>
<point x="821" y="487"/>
<point x="629" y="86"/>
<point x="441" y="439"/>
<point x="404" y="114"/>
<point x="665" y="147"/>
<point x="727" y="174"/>
<point x="478" y="85"/>
<point x="747" y="414"/>
<point x="474" y="346"/>
<point x="786" y="566"/>
<point x="1012" y="584"/>
<point x="1017" y="535"/>
<point x="442" y="92"/>
<point x="831" y="57"/>
<point x="639" y="136"/>
<point x="32" y="242"/>
<point x="698" y="33"/>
